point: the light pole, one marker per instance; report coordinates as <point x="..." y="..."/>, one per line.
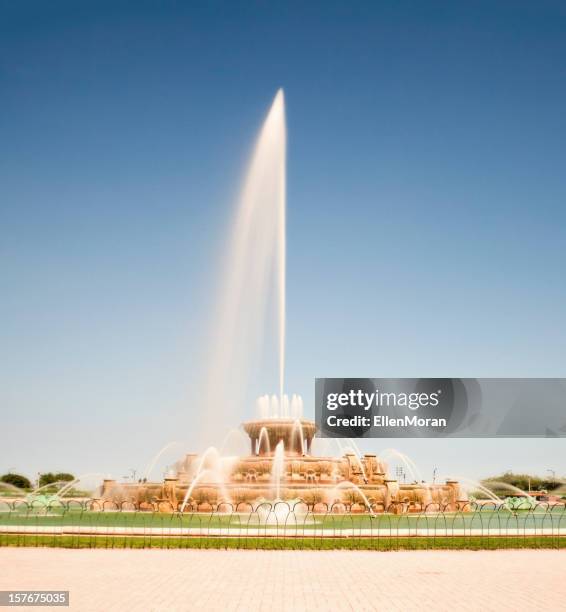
<point x="553" y="472"/>
<point x="434" y="475"/>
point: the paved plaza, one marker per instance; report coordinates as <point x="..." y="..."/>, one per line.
<point x="234" y="580"/>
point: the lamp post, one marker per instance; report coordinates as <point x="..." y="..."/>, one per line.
<point x="553" y="472"/>
<point x="434" y="475"/>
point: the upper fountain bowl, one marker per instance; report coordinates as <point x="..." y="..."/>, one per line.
<point x="295" y="434"/>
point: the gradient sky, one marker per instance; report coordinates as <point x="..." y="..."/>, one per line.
<point x="426" y="209"/>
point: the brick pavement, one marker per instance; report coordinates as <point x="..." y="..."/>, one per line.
<point x="240" y="580"/>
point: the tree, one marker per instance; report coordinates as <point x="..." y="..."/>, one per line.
<point x="47" y="478"/>
<point x="50" y="478"/>
<point x="16" y="480"/>
<point x="521" y="481"/>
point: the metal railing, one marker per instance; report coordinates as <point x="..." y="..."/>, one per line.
<point x="95" y="524"/>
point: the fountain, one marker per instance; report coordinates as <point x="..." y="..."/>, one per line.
<point x="280" y="465"/>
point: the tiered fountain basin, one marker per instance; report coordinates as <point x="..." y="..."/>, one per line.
<point x="280" y="467"/>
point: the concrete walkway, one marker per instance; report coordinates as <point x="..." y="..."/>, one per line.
<point x="108" y="580"/>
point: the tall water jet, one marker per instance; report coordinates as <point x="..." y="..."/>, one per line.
<point x="254" y="271"/>
<point x="263" y="442"/>
<point x="274" y="407"/>
<point x="279" y="104"/>
<point x="263" y="406"/>
<point x="297" y="432"/>
<point x="278" y="467"/>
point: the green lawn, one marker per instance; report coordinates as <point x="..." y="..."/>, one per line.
<point x="486" y="519"/>
<point x="270" y="543"/>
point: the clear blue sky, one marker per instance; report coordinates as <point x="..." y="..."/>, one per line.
<point x="426" y="208"/>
